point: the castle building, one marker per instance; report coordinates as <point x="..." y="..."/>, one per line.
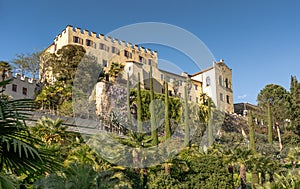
<point x="217" y="84"/>
<point x="215" y="81"/>
<point x="21" y="87"/>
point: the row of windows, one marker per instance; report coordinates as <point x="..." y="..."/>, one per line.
<point x="15" y="89"/>
<point x="114" y="50"/>
<point x="227" y="98"/>
<point x="226" y="82"/>
<point x="169" y="79"/>
<point x="190" y="98"/>
<point x="179" y="81"/>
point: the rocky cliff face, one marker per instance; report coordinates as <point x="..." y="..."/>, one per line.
<point x="111" y="101"/>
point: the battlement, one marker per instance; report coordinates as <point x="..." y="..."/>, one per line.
<point x="19" y="77"/>
<point x="113" y="41"/>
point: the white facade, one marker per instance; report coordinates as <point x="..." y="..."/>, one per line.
<point x="21" y="87"/>
<point x="217" y="84"/>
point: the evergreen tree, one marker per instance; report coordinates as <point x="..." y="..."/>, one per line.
<point x="152" y="112"/>
<point x="210" y="124"/>
<point x="186" y="118"/>
<point x="254" y="173"/>
<point x="139" y="106"/>
<point x="294" y="105"/>
<point x="128" y="103"/>
<point x="251" y="131"/>
<point x="167" y="118"/>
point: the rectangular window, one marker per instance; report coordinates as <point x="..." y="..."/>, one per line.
<point x="115" y="50"/>
<point x="77" y="40"/>
<point x="149" y="62"/>
<point x="89" y="43"/>
<point x="228" y="99"/>
<point x="102" y="46"/>
<point x="197" y="100"/>
<point x="168" y="79"/>
<point x="141" y="59"/>
<point x="24" y="91"/>
<point x="104" y="63"/>
<point x="179" y="94"/>
<point x="221" y="97"/>
<point x="127" y="54"/>
<point x="196" y="87"/>
<point x="161" y="77"/>
<point x="180" y="82"/>
<point x="14" y="88"/>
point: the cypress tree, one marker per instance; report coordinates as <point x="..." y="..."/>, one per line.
<point x="270" y="126"/>
<point x="210" y="124"/>
<point x="139" y="106"/>
<point x="167" y="118"/>
<point x="254" y="174"/>
<point x="128" y="103"/>
<point x="186" y="119"/>
<point x="294" y="102"/>
<point x="152" y="112"/>
<point x="251" y="132"/>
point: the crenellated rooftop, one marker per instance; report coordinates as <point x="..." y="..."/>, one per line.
<point x="110" y="39"/>
<point x="24" y="78"/>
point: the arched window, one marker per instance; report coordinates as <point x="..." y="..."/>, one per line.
<point x="220" y="80"/>
<point x="226" y="83"/>
<point x="207" y="81"/>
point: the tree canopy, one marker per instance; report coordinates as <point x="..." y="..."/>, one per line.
<point x="28" y="64"/>
<point x="276" y="96"/>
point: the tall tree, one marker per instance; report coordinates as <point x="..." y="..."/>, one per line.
<point x="29" y="63"/>
<point x="67" y="61"/>
<point x="294" y="105"/>
<point x="152" y="112"/>
<point x="128" y="103"/>
<point x="251" y="132"/>
<point x="167" y="114"/>
<point x="254" y="173"/>
<point x="210" y="123"/>
<point x="139" y="106"/>
<point x="186" y="118"/>
<point x="276" y="97"/>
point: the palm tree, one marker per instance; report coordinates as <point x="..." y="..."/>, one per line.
<point x="236" y="156"/>
<point x="294" y="156"/>
<point x="50" y="131"/>
<point x="20" y="152"/>
<point x="7" y="182"/>
<point x="4" y="68"/>
<point x="75" y="176"/>
<point x="115" y="69"/>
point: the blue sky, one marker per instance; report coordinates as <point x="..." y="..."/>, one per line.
<point x="258" y="39"/>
